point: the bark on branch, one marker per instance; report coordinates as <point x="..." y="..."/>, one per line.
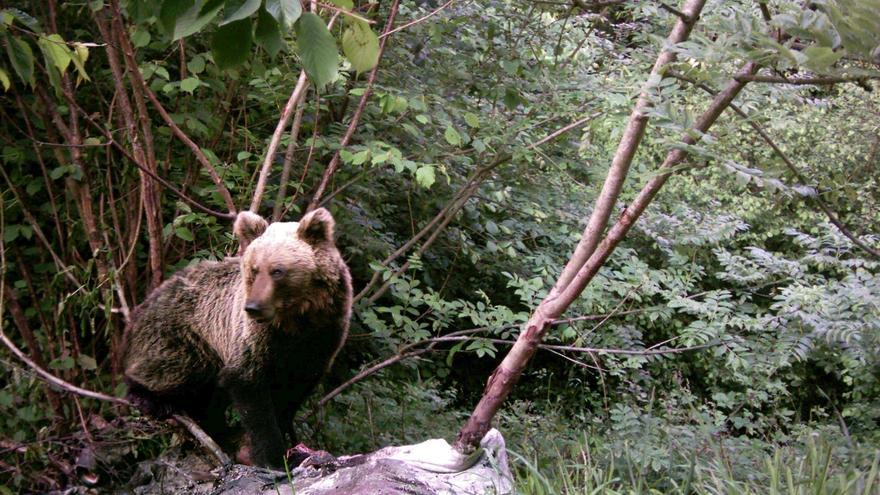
<point x="805" y="81"/>
<point x="501" y="382"/>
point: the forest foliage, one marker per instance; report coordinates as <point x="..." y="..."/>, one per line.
<point x="731" y="343"/>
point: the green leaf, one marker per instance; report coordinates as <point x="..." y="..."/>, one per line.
<point x="79" y="55"/>
<point x="267" y="34"/>
<point x="452" y="136"/>
<point x="361" y="46"/>
<point x="10" y="233"/>
<point x="512" y="98"/>
<point x="196" y="65"/>
<point x="181" y="18"/>
<point x="87" y="362"/>
<point x="286" y="12"/>
<point x="22" y="58"/>
<point x="189" y="84"/>
<point x="317" y="48"/>
<point x="345" y="4"/>
<point x="237" y="10"/>
<point x="140" y="38"/>
<point x="425" y="176"/>
<point x="184" y="233"/>
<point x="231" y="43"/>
<point x="821" y="58"/>
<point x="4" y="79"/>
<point x="55" y="50"/>
<point x="471" y="119"/>
<point x="172" y="10"/>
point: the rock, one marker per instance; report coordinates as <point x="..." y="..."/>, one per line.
<point x="427" y="468"/>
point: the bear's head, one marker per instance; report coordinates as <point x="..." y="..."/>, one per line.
<point x="288" y="268"/>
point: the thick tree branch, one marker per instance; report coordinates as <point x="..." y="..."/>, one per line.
<point x="501" y="382"/>
<point x="626" y="150"/>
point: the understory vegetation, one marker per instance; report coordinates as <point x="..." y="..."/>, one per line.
<point x="730" y="344"/>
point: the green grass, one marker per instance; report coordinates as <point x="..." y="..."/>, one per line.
<point x="814" y="467"/>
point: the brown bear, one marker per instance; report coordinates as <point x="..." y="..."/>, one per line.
<point x="259" y="330"/>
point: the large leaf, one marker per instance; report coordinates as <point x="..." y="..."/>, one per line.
<point x="361" y="46"/>
<point x="4" y="80"/>
<point x="237" y="10"/>
<point x="181" y="18"/>
<point x="231" y="44"/>
<point x="267" y="33"/>
<point x="56" y="51"/>
<point x="21" y="57"/>
<point x="317" y="49"/>
<point x="286" y="12"/>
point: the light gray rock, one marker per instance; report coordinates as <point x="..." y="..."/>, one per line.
<point x="428" y="468"/>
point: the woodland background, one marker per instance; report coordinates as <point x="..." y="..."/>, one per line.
<point x="730" y="344"/>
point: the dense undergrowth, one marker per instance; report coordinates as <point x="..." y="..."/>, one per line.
<point x="766" y="316"/>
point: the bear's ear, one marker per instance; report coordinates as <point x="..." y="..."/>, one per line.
<point x="316" y="227"/>
<point x="248" y="226"/>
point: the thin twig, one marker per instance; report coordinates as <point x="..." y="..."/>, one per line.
<point x="417" y="21"/>
<point x="563" y="130"/>
<point x="107" y="135"/>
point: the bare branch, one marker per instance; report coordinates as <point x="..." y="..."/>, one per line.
<point x="292" y="102"/>
<point x="559" y="132"/>
<point x="805" y="81"/>
<point x="417" y="21"/>
<point x="288" y="160"/>
<point x="632" y="137"/>
<point x="504" y="377"/>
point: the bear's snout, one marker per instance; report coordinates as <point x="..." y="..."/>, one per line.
<point x="258" y="311"/>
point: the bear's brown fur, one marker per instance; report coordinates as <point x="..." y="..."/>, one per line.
<point x="259" y="330"/>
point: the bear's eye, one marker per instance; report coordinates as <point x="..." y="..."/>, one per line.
<point x="277" y="273"/>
